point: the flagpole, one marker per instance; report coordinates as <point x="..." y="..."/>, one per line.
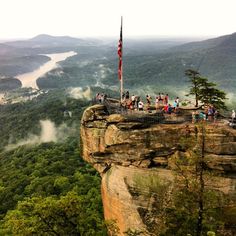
<point x="121" y="77"/>
<point x="121" y="88"/>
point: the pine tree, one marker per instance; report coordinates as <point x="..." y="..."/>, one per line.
<point x="205" y="91"/>
<point x="196" y="82"/>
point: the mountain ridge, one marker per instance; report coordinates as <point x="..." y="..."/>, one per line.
<point x="147" y="63"/>
<point x="49" y="38"/>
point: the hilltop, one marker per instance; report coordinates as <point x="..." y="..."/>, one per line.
<point x="45" y="40"/>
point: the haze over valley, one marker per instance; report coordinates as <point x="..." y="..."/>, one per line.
<point x="149" y="65"/>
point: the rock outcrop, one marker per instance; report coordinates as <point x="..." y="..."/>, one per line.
<point x="130" y="148"/>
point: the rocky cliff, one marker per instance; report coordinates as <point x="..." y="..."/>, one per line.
<point x="133" y="148"/>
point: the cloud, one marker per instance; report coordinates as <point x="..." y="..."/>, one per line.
<point x="49" y="133"/>
<point x="79" y="93"/>
<point x="102" y="74"/>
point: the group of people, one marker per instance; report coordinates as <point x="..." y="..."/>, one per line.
<point x="161" y="102"/>
<point x="209" y="114"/>
<point x="133" y="102"/>
<point x="100" y="97"/>
<point x="168" y="108"/>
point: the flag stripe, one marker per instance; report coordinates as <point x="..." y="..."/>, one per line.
<point x="119" y="51"/>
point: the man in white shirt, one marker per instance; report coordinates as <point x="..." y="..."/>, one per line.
<point x="233" y="116"/>
<point x="140" y="106"/>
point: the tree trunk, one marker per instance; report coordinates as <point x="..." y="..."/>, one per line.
<point x="202" y="186"/>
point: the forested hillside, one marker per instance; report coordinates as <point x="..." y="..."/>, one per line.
<point x="46" y="186"/>
<point x="49" y="188"/>
<point x="19" y="120"/>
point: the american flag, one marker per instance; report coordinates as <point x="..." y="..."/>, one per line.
<point x="119" y="51"/>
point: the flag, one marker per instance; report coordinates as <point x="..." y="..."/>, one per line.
<point x="119" y="51"/>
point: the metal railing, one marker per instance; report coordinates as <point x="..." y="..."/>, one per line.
<point x="114" y="106"/>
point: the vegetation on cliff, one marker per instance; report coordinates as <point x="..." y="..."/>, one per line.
<point x="198" y="204"/>
<point x="194" y="203"/>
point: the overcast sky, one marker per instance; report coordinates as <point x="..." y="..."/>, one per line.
<point x="28" y="18"/>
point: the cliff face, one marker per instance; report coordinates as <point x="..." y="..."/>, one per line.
<point x="130" y="149"/>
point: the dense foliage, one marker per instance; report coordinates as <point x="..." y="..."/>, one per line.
<point x="19" y="63"/>
<point x="42" y="187"/>
<point x="7" y="84"/>
<point x="46" y="188"/>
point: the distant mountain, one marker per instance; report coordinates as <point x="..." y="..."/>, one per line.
<point x="214" y="58"/>
<point x="17" y="57"/>
<point x="155" y="64"/>
<point x="44" y="40"/>
<point x="229" y="41"/>
<point x="200" y="45"/>
<point x="150" y="65"/>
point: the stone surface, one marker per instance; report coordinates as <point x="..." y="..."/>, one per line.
<point x="123" y="148"/>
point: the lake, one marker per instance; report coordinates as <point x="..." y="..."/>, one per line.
<point x="29" y="79"/>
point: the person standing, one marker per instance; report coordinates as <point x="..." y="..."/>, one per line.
<point x="127" y="95"/>
<point x="233" y="116"/>
<point x="140" y="105"/>
<point x="177" y="101"/>
<point x="166" y="99"/>
<point x="133" y="101"/>
<point x="148" y="99"/>
<point x="137" y="100"/>
<point x="175" y="106"/>
<point x="157" y="102"/>
<point x="162" y="98"/>
<point x="215" y="116"/>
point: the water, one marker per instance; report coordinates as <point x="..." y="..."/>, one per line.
<point x="29" y="79"/>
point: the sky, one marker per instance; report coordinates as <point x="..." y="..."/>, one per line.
<point x="101" y="18"/>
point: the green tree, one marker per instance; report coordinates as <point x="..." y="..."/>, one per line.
<point x="211" y="95"/>
<point x="52" y="216"/>
<point x="196" y="82"/>
<point x="205" y="91"/>
<point x="48" y="175"/>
